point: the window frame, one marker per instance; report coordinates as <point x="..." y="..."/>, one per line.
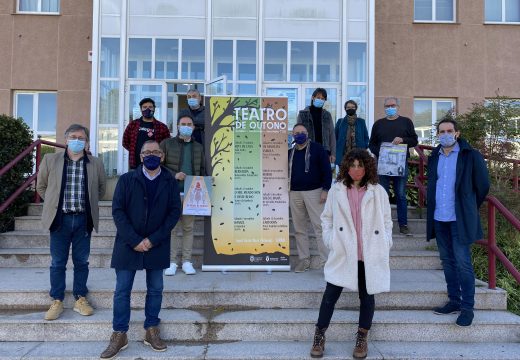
<point x="434" y="101"/>
<point x="434" y="15"/>
<point x="39" y="11"/>
<point x="503" y="21"/>
<point x="36" y="100"/>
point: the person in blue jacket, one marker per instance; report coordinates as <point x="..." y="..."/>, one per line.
<point x="458" y="183"/>
<point x="146" y="206"/>
<point x="351" y="132"/>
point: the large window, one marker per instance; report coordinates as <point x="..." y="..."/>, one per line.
<point x="38" y="6"/>
<point x="502" y="11"/>
<point x="310" y="61"/>
<point x="427" y="112"/>
<point x="38" y="111"/>
<point x="236" y="59"/>
<point x="434" y="10"/>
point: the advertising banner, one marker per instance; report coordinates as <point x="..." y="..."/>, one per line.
<point x="246" y="150"/>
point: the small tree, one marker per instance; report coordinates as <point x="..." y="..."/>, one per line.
<point x="15" y="136"/>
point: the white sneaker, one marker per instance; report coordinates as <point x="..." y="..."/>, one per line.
<point x="171" y="270"/>
<point x="188" y="269"/>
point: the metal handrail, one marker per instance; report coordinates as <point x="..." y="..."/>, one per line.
<point x="36" y="144"/>
<point x="494" y="204"/>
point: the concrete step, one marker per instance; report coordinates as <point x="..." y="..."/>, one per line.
<point x="105" y="239"/>
<point x="101" y="257"/>
<point x="263" y="350"/>
<point x="106" y="223"/>
<point x="105" y="209"/>
<point x="264" y="325"/>
<point x="26" y="288"/>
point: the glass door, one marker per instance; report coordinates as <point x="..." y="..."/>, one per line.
<point x="136" y="91"/>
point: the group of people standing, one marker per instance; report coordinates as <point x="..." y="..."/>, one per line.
<point x="351" y="217"/>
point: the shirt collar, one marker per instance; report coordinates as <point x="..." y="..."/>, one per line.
<point x="455" y="149"/>
<point x="146" y="175"/>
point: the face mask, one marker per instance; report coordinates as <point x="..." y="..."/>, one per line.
<point x="76" y="146"/>
<point x="356" y="174"/>
<point x="318" y="103"/>
<point x="300" y="138"/>
<point x="148" y="113"/>
<point x="193" y="102"/>
<point x="152" y="162"/>
<point x="185" y="131"/>
<point x="390" y="111"/>
<point x="351" y="112"/>
<point x="447" y="140"/>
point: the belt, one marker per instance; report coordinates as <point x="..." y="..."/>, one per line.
<point x="73" y="212"/>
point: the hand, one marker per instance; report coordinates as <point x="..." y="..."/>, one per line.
<point x="180" y="176"/>
<point x="323" y="196"/>
<point x="141" y="247"/>
<point x="147" y="243"/>
<point x="397" y="141"/>
<point x="332" y="159"/>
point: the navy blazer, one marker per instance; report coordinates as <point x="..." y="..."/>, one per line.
<point x="133" y="223"/>
<point x="341" y="136"/>
<point x="471" y="188"/>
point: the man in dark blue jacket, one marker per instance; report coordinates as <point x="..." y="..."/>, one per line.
<point x="458" y="183"/>
<point x="146" y="207"/>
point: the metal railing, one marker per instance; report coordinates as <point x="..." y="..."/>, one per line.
<point x="36" y="144"/>
<point x="493" y="205"/>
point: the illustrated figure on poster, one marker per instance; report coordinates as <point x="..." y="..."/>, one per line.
<point x="198" y="193"/>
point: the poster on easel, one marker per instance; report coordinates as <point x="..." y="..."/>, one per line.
<point x="246" y="147"/>
<point x="197" y="196"/>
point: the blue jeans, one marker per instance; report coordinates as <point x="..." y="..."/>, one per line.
<point x="73" y="231"/>
<point x="456" y="263"/>
<point x="154" y="291"/>
<point x="399" y="185"/>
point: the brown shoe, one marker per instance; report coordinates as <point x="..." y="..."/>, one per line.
<point x="55" y="310"/>
<point x="318" y="345"/>
<point x="361" y="349"/>
<point x="83" y="307"/>
<point x="118" y="342"/>
<point x="153" y="339"/>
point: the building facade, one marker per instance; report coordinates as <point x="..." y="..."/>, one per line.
<point x="92" y="61"/>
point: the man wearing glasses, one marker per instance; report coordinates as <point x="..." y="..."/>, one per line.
<point x="146" y="206"/>
<point x="395" y="129"/>
<point x="138" y="131"/>
<point x="71" y="183"/>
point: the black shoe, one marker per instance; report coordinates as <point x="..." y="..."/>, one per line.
<point x="465" y="318"/>
<point x="403" y="229"/>
<point x="449" y="308"/>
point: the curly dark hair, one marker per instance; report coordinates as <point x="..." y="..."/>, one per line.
<point x="365" y="159"/>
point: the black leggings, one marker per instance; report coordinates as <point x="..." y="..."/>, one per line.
<point x="331" y="296"/>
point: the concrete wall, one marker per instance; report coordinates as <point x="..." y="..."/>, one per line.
<point x="467" y="60"/>
<point x="48" y="52"/>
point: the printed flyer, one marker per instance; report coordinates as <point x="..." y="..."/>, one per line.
<point x="246" y="146"/>
<point x="392" y="159"/>
<point x="197" y="196"/>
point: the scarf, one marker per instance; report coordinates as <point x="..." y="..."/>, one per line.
<point x="351" y="133"/>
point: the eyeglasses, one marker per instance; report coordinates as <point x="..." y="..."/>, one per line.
<point x="390" y="106"/>
<point x="155" y="152"/>
<point x="80" y="138"/>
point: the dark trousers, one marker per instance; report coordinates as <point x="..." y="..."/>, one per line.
<point x="399" y="185"/>
<point x="331" y="296"/>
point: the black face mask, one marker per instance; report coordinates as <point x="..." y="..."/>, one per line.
<point x="351" y="112"/>
<point x="148" y="113"/>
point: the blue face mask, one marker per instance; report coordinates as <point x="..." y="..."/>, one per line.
<point x="193" y="102"/>
<point x="151" y="162"/>
<point x="300" y="138"/>
<point x="318" y="103"/>
<point x="76" y="146"/>
<point x="391" y="111"/>
<point x="447" y="140"/>
<point x="185" y="131"/>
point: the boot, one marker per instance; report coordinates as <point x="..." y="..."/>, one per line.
<point x="318" y="345"/>
<point x="361" y="348"/>
<point x="153" y="339"/>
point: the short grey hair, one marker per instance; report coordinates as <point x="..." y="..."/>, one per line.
<point x="193" y="91"/>
<point x="77" y="127"/>
<point x="397" y="101"/>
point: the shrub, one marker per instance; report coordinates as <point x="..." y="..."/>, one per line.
<point x="15" y="136"/>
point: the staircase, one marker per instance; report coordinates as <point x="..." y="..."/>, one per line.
<point x="244" y="315"/>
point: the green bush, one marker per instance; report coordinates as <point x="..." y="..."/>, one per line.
<point x="15" y="136"/>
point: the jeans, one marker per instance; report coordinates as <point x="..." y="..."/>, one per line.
<point x="399" y="185"/>
<point x="331" y="296"/>
<point x="73" y="231"/>
<point x="154" y="291"/>
<point x="456" y="263"/>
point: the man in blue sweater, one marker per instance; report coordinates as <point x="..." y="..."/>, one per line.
<point x="310" y="180"/>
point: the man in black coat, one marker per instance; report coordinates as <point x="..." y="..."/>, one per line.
<point x="458" y="183"/>
<point x="146" y="206"/>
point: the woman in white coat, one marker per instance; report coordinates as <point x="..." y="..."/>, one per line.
<point x="357" y="229"/>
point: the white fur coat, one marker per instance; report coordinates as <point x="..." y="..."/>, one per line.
<point x="339" y="235"/>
